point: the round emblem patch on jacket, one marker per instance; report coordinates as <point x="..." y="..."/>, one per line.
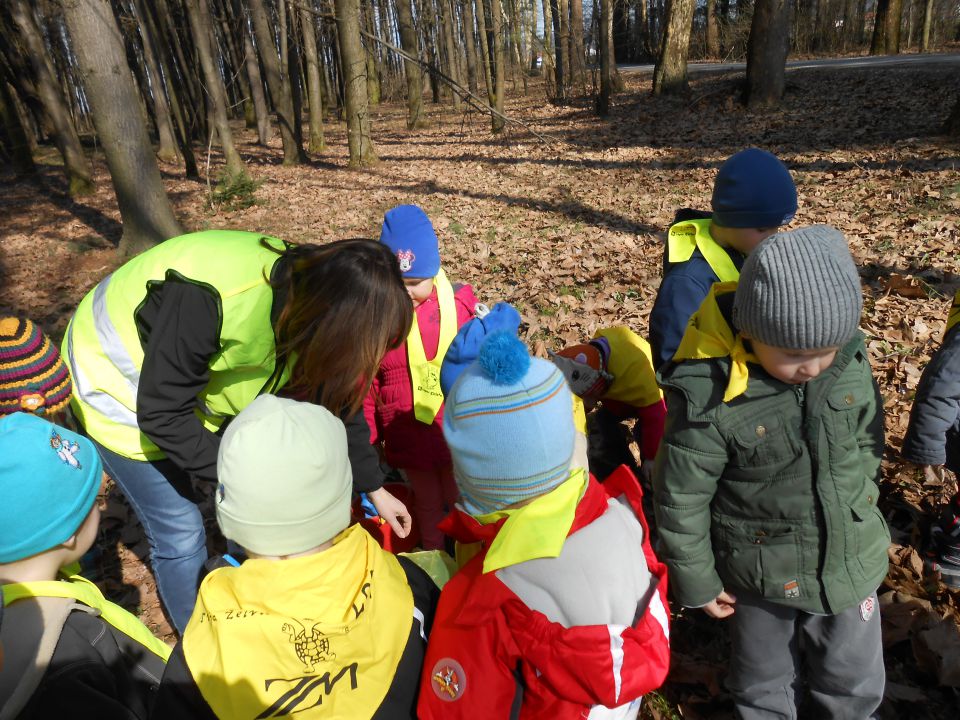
<point x="448" y="679"/>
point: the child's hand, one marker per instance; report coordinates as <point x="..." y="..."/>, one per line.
<point x="391" y="510"/>
<point x="722" y="606"/>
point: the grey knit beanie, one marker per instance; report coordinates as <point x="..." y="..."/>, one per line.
<point x="800" y="290"/>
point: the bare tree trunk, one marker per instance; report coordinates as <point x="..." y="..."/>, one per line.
<point x="578" y="56"/>
<point x="314" y="85"/>
<point x="411" y="45"/>
<point x="485" y="52"/>
<point x="373" y="77"/>
<point x="561" y="39"/>
<point x="670" y="74"/>
<point x="450" y="49"/>
<point x="353" y="61"/>
<point x="713" y="32"/>
<point x="767" y="53"/>
<point x="469" y="43"/>
<point x="20" y="153"/>
<point x="603" y="100"/>
<point x="894" y="14"/>
<point x="278" y="83"/>
<point x="257" y="94"/>
<point x="548" y="62"/>
<point x="144" y="206"/>
<point x="75" y="163"/>
<point x="878" y="44"/>
<point x="202" y="30"/>
<point x="496" y="20"/>
<point x="225" y="14"/>
<point x="927" y="18"/>
<point x="167" y="149"/>
<point x="183" y="135"/>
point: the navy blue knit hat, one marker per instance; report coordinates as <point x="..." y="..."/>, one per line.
<point x="408" y="232"/>
<point x="753" y="189"/>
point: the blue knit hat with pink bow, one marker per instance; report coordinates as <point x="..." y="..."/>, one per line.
<point x="408" y="232"/>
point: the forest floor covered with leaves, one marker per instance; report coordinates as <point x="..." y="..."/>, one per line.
<point x="571" y="233"/>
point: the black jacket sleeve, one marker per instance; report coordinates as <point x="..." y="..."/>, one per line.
<point x="179" y="696"/>
<point x="182" y="326"/>
<point x="364" y="460"/>
<point x="936" y="406"/>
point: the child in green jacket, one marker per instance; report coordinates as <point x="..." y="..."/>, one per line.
<point x="765" y="480"/>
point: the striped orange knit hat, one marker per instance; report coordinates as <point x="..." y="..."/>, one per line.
<point x="33" y="377"/>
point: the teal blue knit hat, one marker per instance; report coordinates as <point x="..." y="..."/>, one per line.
<point x="509" y="424"/>
<point x="49" y="479"/>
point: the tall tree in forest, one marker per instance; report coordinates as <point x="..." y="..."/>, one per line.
<point x="670" y="73"/>
<point x="201" y="29"/>
<point x="19" y="145"/>
<point x="578" y="56"/>
<point x="712" y="30"/>
<point x="256" y="81"/>
<point x="75" y="163"/>
<point x="354" y="62"/>
<point x="314" y="84"/>
<point x="886" y="28"/>
<point x="603" y="99"/>
<point x="278" y="82"/>
<point x="767" y="53"/>
<point x="167" y="140"/>
<point x="927" y="19"/>
<point x="469" y="44"/>
<point x="411" y="45"/>
<point x="499" y="64"/>
<point x="98" y="46"/>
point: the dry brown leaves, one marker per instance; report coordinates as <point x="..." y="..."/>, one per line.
<point x="571" y="233"/>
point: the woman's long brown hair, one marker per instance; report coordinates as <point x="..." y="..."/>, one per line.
<point x="345" y="307"/>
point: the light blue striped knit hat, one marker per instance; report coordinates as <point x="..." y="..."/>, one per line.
<point x="509" y="424"/>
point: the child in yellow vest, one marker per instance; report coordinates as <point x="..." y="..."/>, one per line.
<point x="405" y="405"/>
<point x="615" y="370"/>
<point x="319" y="621"/>
<point x="68" y="652"/>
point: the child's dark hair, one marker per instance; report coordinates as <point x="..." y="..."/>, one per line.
<point x="345" y="307"/>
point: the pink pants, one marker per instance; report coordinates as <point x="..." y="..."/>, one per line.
<point x="434" y="493"/>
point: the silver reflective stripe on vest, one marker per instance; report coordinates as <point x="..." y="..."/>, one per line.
<point x="110" y="339"/>
<point x="103" y="403"/>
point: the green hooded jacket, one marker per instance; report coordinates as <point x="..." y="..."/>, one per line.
<point x="772" y="492"/>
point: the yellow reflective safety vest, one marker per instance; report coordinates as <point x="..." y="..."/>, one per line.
<point x="685" y="237"/>
<point x="425" y="374"/>
<point x="104" y="349"/>
<point x="86" y="593"/>
<point x="319" y="636"/>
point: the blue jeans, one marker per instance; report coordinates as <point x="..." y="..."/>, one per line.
<point x="164" y="501"/>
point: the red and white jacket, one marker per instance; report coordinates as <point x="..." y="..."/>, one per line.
<point x="492" y="655"/>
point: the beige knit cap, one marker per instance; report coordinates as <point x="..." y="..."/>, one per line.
<point x="284" y="477"/>
<point x="800" y="290"/>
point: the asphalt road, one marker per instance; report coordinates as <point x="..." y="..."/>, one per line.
<point x="850" y="62"/>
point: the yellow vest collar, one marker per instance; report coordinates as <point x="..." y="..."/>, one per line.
<point x="425" y="374"/>
<point x="708" y="335"/>
<point x="685" y="237"/>
<point x="536" y="530"/>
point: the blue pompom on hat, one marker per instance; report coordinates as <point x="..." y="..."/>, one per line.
<point x="49" y="480"/>
<point x="466" y="345"/>
<point x="509" y="425"/>
<point x="409" y="234"/>
<point x="753" y="189"/>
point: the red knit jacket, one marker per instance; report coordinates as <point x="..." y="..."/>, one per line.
<point x="490" y="656"/>
<point x="407" y="442"/>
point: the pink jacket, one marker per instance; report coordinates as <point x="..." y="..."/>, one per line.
<point x="409" y="443"/>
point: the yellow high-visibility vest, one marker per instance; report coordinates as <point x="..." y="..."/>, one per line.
<point x="685" y="237"/>
<point x="425" y="374"/>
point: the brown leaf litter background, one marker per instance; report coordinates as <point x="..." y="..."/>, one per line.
<point x="571" y="233"/>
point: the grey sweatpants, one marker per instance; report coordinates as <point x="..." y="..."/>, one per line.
<point x="781" y="654"/>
